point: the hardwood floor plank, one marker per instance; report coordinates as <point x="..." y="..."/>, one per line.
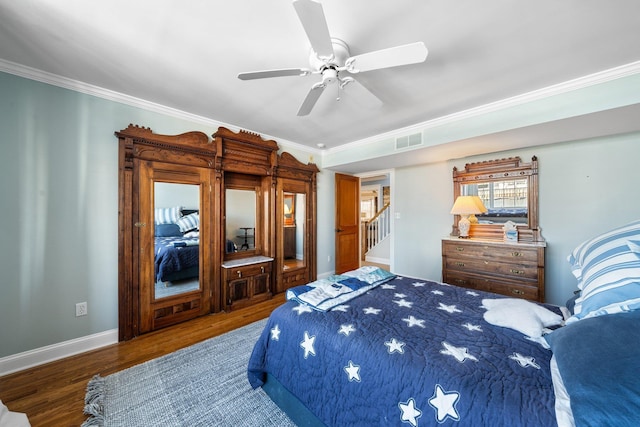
<point x="53" y="394"/>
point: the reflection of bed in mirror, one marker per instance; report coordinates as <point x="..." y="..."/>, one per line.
<point x="501" y="215"/>
<point x="177" y="250"/>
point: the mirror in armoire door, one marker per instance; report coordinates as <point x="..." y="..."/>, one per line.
<point x="176" y="239"/>
<point x="173" y="282"/>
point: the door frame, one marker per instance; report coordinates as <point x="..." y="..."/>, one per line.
<point x="391" y="174"/>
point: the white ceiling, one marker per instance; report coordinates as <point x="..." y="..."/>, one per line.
<point x="186" y="54"/>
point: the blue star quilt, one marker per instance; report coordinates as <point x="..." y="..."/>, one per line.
<point x="407" y="352"/>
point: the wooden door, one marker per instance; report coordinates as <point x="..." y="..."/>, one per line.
<point x="174" y="284"/>
<point x="347" y="254"/>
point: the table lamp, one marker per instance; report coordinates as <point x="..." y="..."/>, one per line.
<point x="466" y="206"/>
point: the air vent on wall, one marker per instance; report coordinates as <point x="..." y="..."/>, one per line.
<point x="408" y="141"/>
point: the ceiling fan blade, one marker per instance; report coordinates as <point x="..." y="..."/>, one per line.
<point x="412" y="53"/>
<point x="358" y="94"/>
<point x="311" y="99"/>
<point x="312" y="17"/>
<point x="273" y="73"/>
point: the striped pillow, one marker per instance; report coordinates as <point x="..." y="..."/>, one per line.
<point x="168" y="215"/>
<point x="189" y="222"/>
<point x="608" y="273"/>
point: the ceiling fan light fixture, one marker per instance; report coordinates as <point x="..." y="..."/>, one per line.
<point x="329" y="56"/>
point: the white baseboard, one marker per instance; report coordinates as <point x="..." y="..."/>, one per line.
<point x="377" y="260"/>
<point x="42" y="355"/>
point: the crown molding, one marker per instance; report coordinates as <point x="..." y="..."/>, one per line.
<point x="608" y="75"/>
<point x="110" y="95"/>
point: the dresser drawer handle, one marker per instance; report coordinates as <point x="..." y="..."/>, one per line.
<point x="460" y="264"/>
<point x="459" y="249"/>
<point x="517" y="292"/>
<point x="516" y="254"/>
<point x="262" y="269"/>
<point x="239" y="273"/>
<point x="460" y="281"/>
<point x="520" y="272"/>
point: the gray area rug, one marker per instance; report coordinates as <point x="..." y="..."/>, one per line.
<point x="201" y="385"/>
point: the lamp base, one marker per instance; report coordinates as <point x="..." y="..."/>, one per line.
<point x="464" y="226"/>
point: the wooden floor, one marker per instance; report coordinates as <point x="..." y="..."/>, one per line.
<point x="53" y="394"/>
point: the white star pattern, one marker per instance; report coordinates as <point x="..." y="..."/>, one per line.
<point x="449" y="308"/>
<point x="418" y="284"/>
<point x="460" y="353"/>
<point x="371" y="310"/>
<point x="445" y="404"/>
<point x="473" y="294"/>
<point x="307" y="345"/>
<point x="302" y="309"/>
<point x="437" y="292"/>
<point x="395" y="346"/>
<point x="472" y="328"/>
<point x="412" y="321"/>
<point x="387" y="286"/>
<point x="346" y="330"/>
<point x="398" y="295"/>
<point x="275" y="333"/>
<point x="410" y="413"/>
<point x="342" y="308"/>
<point x="403" y="303"/>
<point x="524" y="361"/>
<point x="353" y="372"/>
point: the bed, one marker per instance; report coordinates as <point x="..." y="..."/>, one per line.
<point x="176" y="258"/>
<point x="406" y="351"/>
<point x="398" y="350"/>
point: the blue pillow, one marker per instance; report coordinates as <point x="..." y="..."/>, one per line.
<point x="608" y="273"/>
<point x="168" y="230"/>
<point x="599" y="362"/>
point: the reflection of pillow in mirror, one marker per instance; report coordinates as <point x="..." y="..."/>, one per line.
<point x="168" y="230"/>
<point x="189" y="222"/>
<point x="608" y="273"/>
<point x="167" y="215"/>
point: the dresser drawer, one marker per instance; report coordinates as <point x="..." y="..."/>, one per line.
<point x="495" y="285"/>
<point x="513" y="270"/>
<point x="508" y="253"/>
<point x="248" y="270"/>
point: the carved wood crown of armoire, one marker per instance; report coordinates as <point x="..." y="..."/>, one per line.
<point x="204" y="227"/>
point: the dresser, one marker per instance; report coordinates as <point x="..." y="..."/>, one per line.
<point x="512" y="269"/>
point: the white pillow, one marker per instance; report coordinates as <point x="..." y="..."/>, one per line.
<point x="521" y="315"/>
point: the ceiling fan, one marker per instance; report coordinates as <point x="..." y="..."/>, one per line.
<point x="330" y="57"/>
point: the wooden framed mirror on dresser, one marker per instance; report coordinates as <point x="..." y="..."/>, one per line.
<point x="496" y="244"/>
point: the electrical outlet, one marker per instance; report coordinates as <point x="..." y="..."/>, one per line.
<point x="81" y="309"/>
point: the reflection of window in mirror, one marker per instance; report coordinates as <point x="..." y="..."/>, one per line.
<point x="176" y="238"/>
<point x="240" y="220"/>
<point x="505" y="200"/>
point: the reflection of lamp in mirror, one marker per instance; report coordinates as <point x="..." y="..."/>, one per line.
<point x="478" y="201"/>
<point x="466" y="206"/>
